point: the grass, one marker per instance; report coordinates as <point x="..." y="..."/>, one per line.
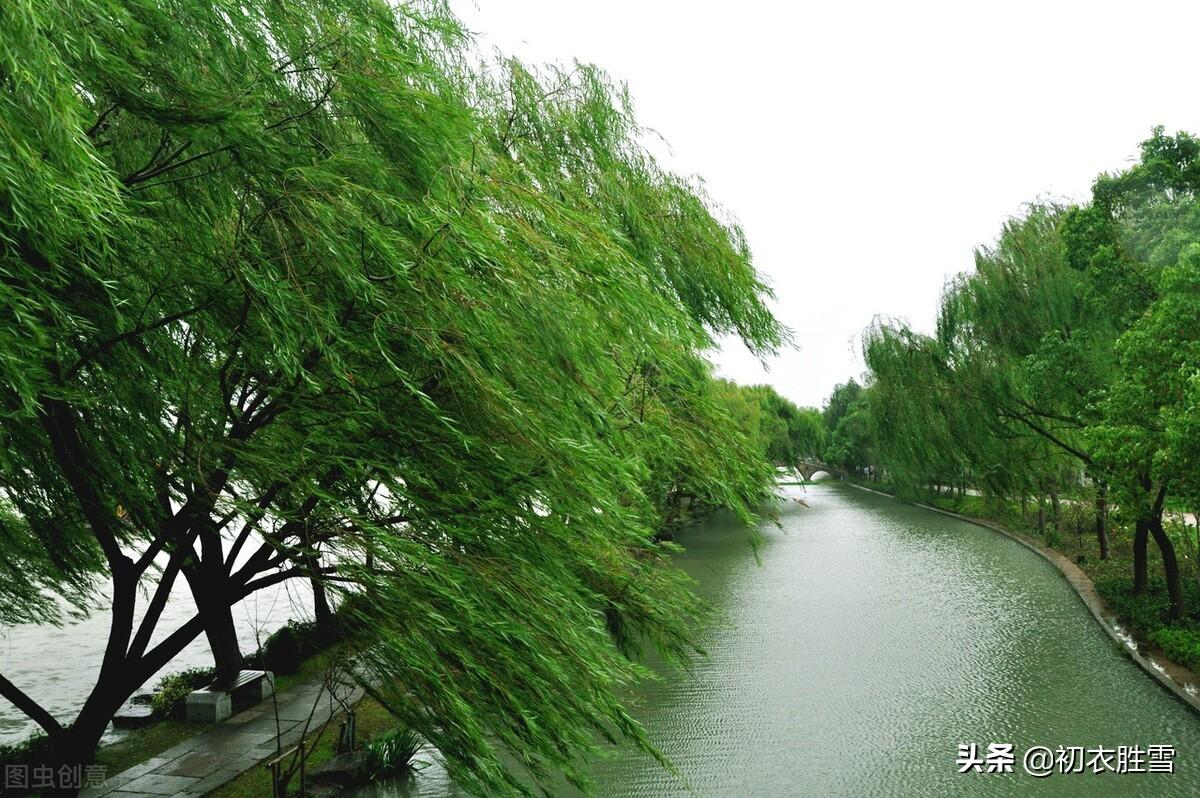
<point x="142" y="744"/>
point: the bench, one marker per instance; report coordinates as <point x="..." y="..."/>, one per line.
<point x="217" y="701"/>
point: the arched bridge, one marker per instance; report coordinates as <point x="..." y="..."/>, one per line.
<point x="808" y="468"/>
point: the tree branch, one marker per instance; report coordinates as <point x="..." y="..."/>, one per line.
<point x="30" y="707"/>
<point x="137" y="331"/>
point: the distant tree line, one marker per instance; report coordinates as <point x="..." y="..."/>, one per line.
<point x="784" y="432"/>
<point x="1066" y="362"/>
<point x="839" y="434"/>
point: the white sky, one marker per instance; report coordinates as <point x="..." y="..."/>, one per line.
<point x="868" y="147"/>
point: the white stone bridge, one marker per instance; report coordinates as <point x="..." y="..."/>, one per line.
<point x="807" y="469"/>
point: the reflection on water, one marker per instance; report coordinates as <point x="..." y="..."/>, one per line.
<point x="870" y="642"/>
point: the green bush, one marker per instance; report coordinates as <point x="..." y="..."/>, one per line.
<point x="350" y="614"/>
<point x="392" y="752"/>
<point x="1180" y="645"/>
<point x="172" y="690"/>
<point x="1146" y="613"/>
<point x="283" y="652"/>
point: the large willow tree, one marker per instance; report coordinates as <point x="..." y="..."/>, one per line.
<point x="1071" y="350"/>
<point x="290" y="290"/>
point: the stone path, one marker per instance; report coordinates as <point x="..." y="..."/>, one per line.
<point x="223" y="752"/>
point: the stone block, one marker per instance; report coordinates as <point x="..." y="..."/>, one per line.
<point x="208" y="706"/>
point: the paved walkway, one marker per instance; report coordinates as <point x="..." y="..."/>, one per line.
<point x="222" y="752"/>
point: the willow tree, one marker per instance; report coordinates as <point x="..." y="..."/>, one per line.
<point x="1070" y="340"/>
<point x="1132" y="245"/>
<point x="786" y="433"/>
<point x="290" y="292"/>
<point x="1001" y="393"/>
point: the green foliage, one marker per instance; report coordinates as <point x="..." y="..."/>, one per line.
<point x="392" y="752"/>
<point x="172" y="690"/>
<point x="786" y="433"/>
<point x="290" y="645"/>
<point x="1071" y="351"/>
<point x="298" y="278"/>
<point x="840" y="400"/>
<point x="34" y="748"/>
<point x="1147" y="413"/>
<point x="1180" y="645"/>
<point x="282" y="652"/>
<point x="852" y="442"/>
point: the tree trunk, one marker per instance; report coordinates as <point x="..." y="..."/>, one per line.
<point x="1140" y="534"/>
<point x="76" y="747"/>
<point x="1170" y="566"/>
<point x="1102" y="519"/>
<point x="321" y="609"/>
<point x="1041" y="516"/>
<point x="206" y="583"/>
<point x="1055" y="510"/>
<point x="222" y="639"/>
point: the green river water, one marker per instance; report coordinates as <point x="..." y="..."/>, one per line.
<point x="870" y="640"/>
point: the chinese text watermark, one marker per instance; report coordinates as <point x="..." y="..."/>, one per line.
<point x="45" y="777"/>
<point x="1042" y="761"/>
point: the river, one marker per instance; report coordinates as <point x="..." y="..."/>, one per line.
<point x="870" y="641"/>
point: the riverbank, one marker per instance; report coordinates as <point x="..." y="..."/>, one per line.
<point x="1124" y="629"/>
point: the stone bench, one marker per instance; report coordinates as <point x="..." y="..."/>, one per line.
<point x="218" y="701"/>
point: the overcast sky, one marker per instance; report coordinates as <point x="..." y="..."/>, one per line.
<point x="867" y="148"/>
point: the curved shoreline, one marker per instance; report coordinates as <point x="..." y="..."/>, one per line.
<point x="1180" y="681"/>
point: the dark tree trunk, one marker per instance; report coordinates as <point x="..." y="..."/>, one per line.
<point x="321" y="609"/>
<point x="1140" y="534"/>
<point x="120" y="676"/>
<point x="1102" y="519"/>
<point x="1055" y="510"/>
<point x="1170" y="566"/>
<point x="222" y="639"/>
<point x="76" y="746"/>
<point x="207" y="583"/>
<point x="1041" y="516"/>
<point x="311" y="560"/>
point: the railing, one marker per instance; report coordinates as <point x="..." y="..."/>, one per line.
<point x="281" y="777"/>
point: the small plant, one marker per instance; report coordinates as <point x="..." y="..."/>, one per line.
<point x="172" y="690"/>
<point x="392" y="752"/>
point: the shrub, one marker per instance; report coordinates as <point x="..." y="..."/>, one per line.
<point x="1180" y="645"/>
<point x="392" y="752"/>
<point x="349" y="615"/>
<point x="1146" y="613"/>
<point x="283" y="653"/>
<point x="171" y="691"/>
